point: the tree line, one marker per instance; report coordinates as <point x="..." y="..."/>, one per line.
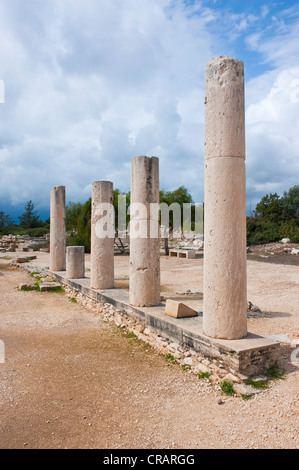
<point x="29" y="223"/>
<point x="274" y="217"/>
<point x="78" y="216"/>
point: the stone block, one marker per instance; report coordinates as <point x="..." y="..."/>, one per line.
<point x="182" y="253"/>
<point x="27" y="286"/>
<point x="46" y="286"/>
<point x="178" y="309"/>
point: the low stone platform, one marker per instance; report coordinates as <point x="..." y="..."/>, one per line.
<point x="248" y="356"/>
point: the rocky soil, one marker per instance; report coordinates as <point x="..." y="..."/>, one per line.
<point x="82" y="375"/>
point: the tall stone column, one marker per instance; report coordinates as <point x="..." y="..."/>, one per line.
<point x="225" y="279"/>
<point x="144" y="232"/>
<point x="57" y="229"/>
<point x="102" y="236"/>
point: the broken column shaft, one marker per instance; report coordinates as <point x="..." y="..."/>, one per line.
<point x="75" y="263"/>
<point x="144" y="232"/>
<point x="57" y="229"/>
<point x="225" y="280"/>
<point x="102" y="236"/>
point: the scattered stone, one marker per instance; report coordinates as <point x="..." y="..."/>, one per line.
<point x="139" y="328"/>
<point x="279" y="338"/>
<point x="241" y="376"/>
<point x="294" y="251"/>
<point x="259" y="378"/>
<point x="206" y="362"/>
<point x="178" y="309"/>
<point x="46" y="286"/>
<point x="252" y="308"/>
<point x="232" y="378"/>
<point x="27" y="286"/>
<point x="243" y="389"/>
<point x="202" y="368"/>
<point x="187" y="353"/>
<point x="188" y="361"/>
<point x="214" y="379"/>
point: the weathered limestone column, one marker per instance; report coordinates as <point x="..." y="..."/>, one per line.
<point x="144" y="232"/>
<point x="57" y="229"/>
<point x="225" y="280"/>
<point x="102" y="236"/>
<point x="75" y="263"/>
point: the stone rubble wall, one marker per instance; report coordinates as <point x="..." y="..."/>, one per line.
<point x="25" y="243"/>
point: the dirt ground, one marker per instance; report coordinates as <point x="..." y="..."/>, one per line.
<point x="70" y="380"/>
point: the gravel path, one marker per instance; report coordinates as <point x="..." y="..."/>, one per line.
<point x="70" y="380"/>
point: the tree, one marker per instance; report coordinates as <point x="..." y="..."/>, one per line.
<point x="30" y="218"/>
<point x="269" y="208"/>
<point x="72" y="212"/>
<point x="180" y="196"/>
<point x="5" y="220"/>
<point x="290" y="203"/>
<point x="275" y="218"/>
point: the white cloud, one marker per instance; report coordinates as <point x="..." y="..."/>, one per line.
<point x="273" y="139"/>
<point x="89" y="85"/>
<point x="95" y="84"/>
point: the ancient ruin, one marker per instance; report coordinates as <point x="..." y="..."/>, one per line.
<point x="144" y="245"/>
<point x="220" y="330"/>
<point x="57" y="229"/>
<point x="225" y="296"/>
<point x="102" y="236"/>
<point x="75" y="262"/>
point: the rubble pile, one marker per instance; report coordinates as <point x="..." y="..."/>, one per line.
<point x="25" y="243"/>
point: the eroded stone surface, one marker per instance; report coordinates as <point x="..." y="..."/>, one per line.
<point x="57" y="229"/>
<point x="102" y="247"/>
<point x="225" y="280"/>
<point x="144" y="244"/>
<point x="75" y="265"/>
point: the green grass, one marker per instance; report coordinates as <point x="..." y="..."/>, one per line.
<point x="73" y="300"/>
<point x="58" y="290"/>
<point x="227" y="388"/>
<point x="185" y="367"/>
<point x="245" y="397"/>
<point x="258" y="384"/>
<point x="274" y="372"/>
<point x="170" y="358"/>
<point x="204" y="375"/>
<point x="131" y="334"/>
<point x="33" y="274"/>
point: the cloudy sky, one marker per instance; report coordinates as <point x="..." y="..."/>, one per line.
<point x="89" y="84"/>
